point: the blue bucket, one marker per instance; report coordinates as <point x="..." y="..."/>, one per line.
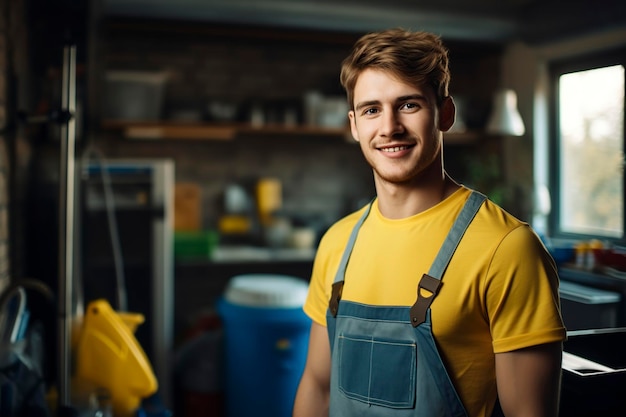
<point x="266" y="336"/>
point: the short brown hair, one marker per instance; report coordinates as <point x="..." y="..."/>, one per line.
<point x="414" y="57"/>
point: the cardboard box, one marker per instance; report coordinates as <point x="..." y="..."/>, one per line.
<point x="187" y="203"/>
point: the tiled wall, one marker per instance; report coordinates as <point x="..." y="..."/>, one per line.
<point x="241" y="65"/>
<point x="321" y="176"/>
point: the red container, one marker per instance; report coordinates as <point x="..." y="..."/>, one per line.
<point x="612" y="258"/>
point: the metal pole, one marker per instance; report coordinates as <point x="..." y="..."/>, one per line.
<point x="66" y="223"/>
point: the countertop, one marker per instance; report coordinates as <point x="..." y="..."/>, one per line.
<point x="605" y="277"/>
<point x="227" y="254"/>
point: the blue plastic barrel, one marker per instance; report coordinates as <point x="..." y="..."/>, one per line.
<point x="266" y="337"/>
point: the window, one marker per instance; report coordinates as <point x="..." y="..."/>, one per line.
<point x="588" y="151"/>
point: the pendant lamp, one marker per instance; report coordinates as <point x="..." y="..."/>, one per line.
<point x="505" y="118"/>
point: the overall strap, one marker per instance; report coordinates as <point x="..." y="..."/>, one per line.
<point x="333" y="305"/>
<point x="457" y="231"/>
<point x="431" y="282"/>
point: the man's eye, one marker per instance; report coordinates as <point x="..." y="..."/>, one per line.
<point x="410" y="106"/>
<point x="370" y="111"/>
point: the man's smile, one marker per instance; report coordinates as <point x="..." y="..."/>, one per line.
<point x="396" y="148"/>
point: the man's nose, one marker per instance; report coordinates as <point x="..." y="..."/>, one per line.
<point x="391" y="124"/>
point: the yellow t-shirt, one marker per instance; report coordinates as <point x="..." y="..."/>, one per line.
<point x="499" y="292"/>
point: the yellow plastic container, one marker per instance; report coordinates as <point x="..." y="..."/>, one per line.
<point x="109" y="356"/>
<point x="269" y="198"/>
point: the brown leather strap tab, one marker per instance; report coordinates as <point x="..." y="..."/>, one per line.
<point x="333" y="304"/>
<point x="419" y="309"/>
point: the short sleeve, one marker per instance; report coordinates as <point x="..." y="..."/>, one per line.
<point x="316" y="303"/>
<point x="522" y="295"/>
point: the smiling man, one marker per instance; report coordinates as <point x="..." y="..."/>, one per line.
<point x="431" y="300"/>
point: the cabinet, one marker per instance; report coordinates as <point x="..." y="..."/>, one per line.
<point x="609" y="285"/>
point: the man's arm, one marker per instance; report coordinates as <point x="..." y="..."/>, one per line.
<point x="529" y="381"/>
<point x="313" y="392"/>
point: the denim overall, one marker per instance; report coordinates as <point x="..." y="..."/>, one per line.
<point x="384" y="358"/>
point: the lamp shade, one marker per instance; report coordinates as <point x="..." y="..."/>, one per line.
<point x="505" y="118"/>
<point x="542" y="203"/>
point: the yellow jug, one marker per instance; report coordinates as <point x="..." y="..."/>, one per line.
<point x="109" y="356"/>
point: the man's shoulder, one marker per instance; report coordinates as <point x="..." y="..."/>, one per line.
<point x="499" y="217"/>
<point x="494" y="225"/>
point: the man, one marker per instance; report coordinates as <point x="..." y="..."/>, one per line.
<point x="430" y="301"/>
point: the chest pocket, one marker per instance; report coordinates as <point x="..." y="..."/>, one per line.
<point x="377" y="371"/>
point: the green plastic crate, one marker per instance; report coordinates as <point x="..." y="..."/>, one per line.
<point x="195" y="245"/>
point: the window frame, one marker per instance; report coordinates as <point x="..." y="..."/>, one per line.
<point x="557" y="68"/>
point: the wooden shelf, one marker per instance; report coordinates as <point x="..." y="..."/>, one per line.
<point x="173" y="130"/>
<point x="140" y="130"/>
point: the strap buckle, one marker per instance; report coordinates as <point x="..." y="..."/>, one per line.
<point x="423" y="302"/>
<point x="333" y="304"/>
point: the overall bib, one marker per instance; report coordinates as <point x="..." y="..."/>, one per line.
<point x="384" y="358"/>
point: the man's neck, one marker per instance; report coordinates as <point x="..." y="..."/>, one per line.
<point x="402" y="201"/>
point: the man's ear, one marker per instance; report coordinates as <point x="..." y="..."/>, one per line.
<point x="353" y="129"/>
<point x="447" y="113"/>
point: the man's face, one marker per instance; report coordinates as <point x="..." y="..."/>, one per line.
<point x="397" y="126"/>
